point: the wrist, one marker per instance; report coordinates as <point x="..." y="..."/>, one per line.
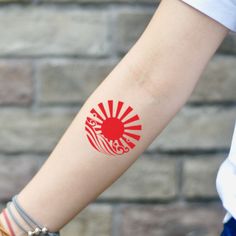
<point x="7" y="222"/>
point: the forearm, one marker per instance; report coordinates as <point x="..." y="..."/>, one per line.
<point x="155" y="78"/>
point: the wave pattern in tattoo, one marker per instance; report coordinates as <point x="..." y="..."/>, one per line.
<point x="112" y="128"/>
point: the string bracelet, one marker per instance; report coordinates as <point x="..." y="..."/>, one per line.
<point x="8" y="222"/>
<point x="37" y="228"/>
<point x="15" y="219"/>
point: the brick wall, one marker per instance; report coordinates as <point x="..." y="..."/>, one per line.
<point x="53" y="54"/>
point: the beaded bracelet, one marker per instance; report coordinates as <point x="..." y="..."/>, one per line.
<point x="8" y="223"/>
<point x="38" y="229"/>
<point x="14" y="219"/>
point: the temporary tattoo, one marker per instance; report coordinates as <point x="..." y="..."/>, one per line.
<point x="112" y="128"/>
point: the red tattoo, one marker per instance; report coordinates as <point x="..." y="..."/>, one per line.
<point x="109" y="129"/>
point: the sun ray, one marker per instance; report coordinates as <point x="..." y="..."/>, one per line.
<point x="132" y="119"/>
<point x="119" y="106"/>
<point x="97" y="114"/>
<point x="110" y="104"/>
<point x="131" y="144"/>
<point x="134" y="127"/>
<point x="127" y="111"/>
<point x="101" y="106"/>
<point x="137" y="137"/>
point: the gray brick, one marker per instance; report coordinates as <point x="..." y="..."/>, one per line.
<point x="93" y="220"/>
<point x="14" y="1"/>
<point x="23" y="130"/>
<point x="16" y="82"/>
<point x="10" y="1"/>
<point x="194" y="128"/>
<point x="2" y="206"/>
<point x="199" y="176"/>
<point x="52" y="31"/>
<point x="172" y="220"/>
<point x="16" y="172"/>
<point x="129" y="25"/>
<point x="147" y="178"/>
<point x="71" y="81"/>
<point x="218" y="81"/>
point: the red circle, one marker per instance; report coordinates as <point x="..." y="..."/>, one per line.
<point x="112" y="128"/>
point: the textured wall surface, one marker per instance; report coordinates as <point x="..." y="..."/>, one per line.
<point x="53" y="54"/>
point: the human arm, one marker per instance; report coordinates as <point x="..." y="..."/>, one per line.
<point x="155" y="78"/>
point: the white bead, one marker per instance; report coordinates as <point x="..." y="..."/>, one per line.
<point x="37" y="231"/>
<point x="44" y="230"/>
<point x="30" y="233"/>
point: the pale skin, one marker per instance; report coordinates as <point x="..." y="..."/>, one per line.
<point x="155" y="78"/>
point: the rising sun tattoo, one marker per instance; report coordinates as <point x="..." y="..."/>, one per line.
<point x="113" y="128"/>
